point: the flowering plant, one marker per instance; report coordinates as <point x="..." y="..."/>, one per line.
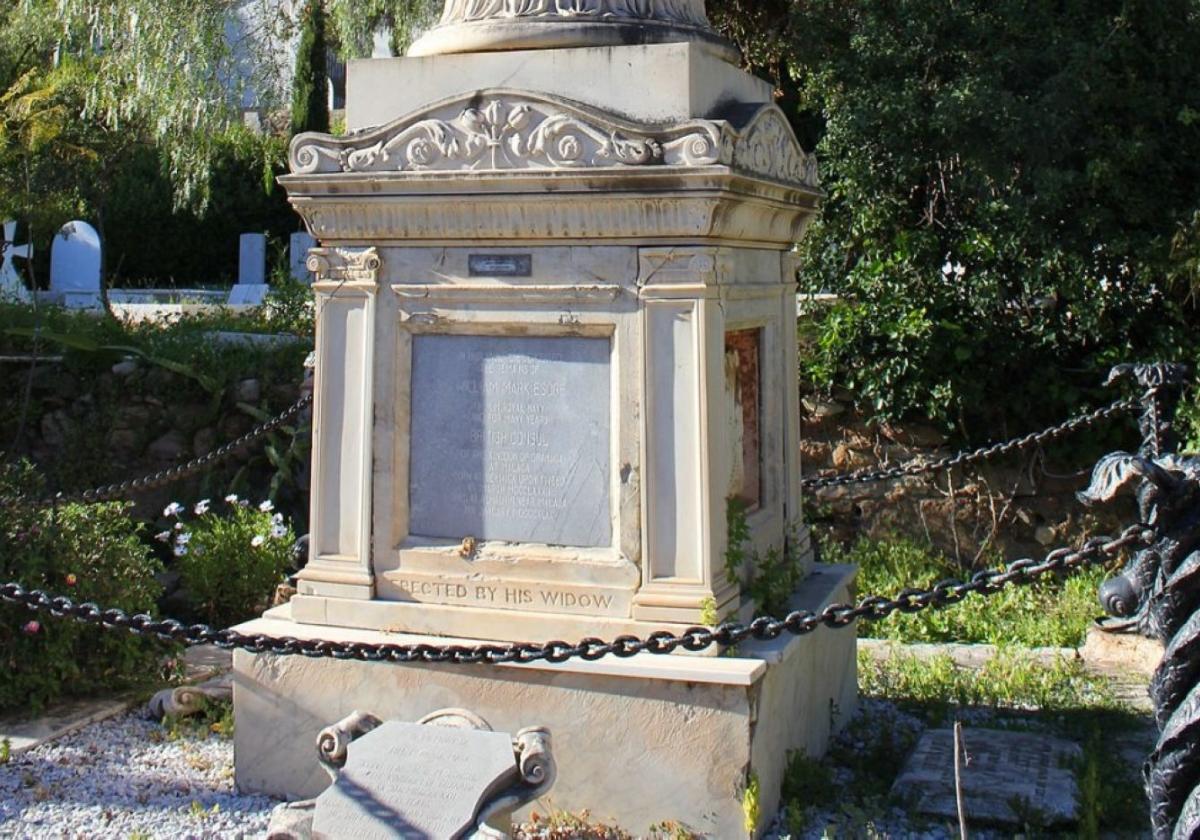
<point x="230" y="557"/>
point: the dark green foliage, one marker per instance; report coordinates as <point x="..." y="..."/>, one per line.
<point x="180" y="367"/>
<point x="92" y="553"/>
<point x="1047" y="149"/>
<point x="310" y="96"/>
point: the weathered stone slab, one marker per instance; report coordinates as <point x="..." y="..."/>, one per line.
<point x="510" y="439"/>
<point x="406" y="780"/>
<point x="1009" y="778"/>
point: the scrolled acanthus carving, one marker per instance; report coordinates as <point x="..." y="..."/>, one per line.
<point x="355" y="266"/>
<point x="508" y="131"/>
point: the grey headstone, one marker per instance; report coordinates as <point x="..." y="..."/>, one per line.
<point x="510" y="439"/>
<point x="416" y="782"/>
<point x="298" y="248"/>
<point x="252" y="259"/>
<point x="75" y="265"/>
<point x="1009" y="777"/>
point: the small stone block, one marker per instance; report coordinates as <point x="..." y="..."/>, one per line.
<point x="407" y="780"/>
<point x="244" y="294"/>
<point x="1009" y="778"/>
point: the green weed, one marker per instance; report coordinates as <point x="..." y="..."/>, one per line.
<point x="1049" y="613"/>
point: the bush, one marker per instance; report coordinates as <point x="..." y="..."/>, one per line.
<point x="230" y="564"/>
<point x="91" y="553"/>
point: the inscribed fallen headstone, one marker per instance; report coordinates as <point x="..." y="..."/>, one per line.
<point x="416" y="782"/>
<point x="1008" y="778"/>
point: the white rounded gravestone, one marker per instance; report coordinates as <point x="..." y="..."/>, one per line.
<point x="75" y="265"/>
<point x="491" y="25"/>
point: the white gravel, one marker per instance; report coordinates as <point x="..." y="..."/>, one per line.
<point x="125" y="778"/>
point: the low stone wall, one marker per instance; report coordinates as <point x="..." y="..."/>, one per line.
<point x="1019" y="507"/>
<point x="83" y="430"/>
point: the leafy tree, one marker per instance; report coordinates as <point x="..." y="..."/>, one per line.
<point x="310" y="96"/>
<point x="1012" y="193"/>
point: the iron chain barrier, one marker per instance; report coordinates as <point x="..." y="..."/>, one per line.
<point x="985" y="453"/>
<point x="1096" y="551"/>
<point x="170" y="475"/>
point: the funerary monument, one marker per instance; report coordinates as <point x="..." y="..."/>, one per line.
<point x="556" y="337"/>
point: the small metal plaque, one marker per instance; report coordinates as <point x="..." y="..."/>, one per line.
<point x="501" y="265"/>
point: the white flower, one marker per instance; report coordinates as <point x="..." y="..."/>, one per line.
<point x="202" y="507"/>
<point x="947" y="269"/>
<point x="165" y="536"/>
<point x="277" y="519"/>
<point x="181" y="550"/>
<point x="258" y="540"/>
<point x="959" y="270"/>
<point x="179" y="526"/>
<point x="278" y="531"/>
<point x="266" y="507"/>
<point x="183" y="539"/>
<point x="243" y="503"/>
<point x="173" y="509"/>
<point x="231" y="499"/>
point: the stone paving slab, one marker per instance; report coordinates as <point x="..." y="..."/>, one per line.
<point x="25" y="732"/>
<point x="1008" y="778"/>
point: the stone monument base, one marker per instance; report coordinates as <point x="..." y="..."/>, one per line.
<point x="638" y="741"/>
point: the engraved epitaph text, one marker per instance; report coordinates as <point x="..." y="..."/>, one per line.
<point x="510" y="439"/>
<point x="405" y="780"/>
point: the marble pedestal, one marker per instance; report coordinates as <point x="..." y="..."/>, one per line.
<point x="637" y="741"/>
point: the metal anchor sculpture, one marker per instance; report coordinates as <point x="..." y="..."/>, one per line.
<point x="1158" y="593"/>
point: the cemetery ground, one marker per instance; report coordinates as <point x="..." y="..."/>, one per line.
<point x="132" y="777"/>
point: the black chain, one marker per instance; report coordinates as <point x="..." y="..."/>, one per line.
<point x="173" y="474"/>
<point x="1095" y="551"/>
<point x="985" y="453"/>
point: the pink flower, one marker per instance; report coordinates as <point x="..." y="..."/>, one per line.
<point x="31" y="628"/>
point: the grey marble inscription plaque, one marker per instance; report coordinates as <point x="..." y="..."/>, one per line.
<point x="414" y="782"/>
<point x="510" y="439"/>
<point x="1007" y="777"/>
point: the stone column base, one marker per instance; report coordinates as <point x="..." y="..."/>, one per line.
<point x="638" y="741"/>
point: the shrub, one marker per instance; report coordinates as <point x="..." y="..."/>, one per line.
<point x="91" y="553"/>
<point x="230" y="564"/>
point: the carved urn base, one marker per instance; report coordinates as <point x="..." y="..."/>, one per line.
<point x="474" y="26"/>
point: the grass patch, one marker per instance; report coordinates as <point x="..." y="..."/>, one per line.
<point x="848" y="793"/>
<point x="1049" y="613"/>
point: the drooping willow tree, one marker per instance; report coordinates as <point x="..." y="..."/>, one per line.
<point x="176" y="74"/>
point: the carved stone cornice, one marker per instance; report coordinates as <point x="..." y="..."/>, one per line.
<point x="353" y="267"/>
<point x="500" y="130"/>
<point x="489" y="25"/>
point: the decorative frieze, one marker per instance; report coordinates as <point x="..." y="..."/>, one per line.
<point x="687" y="12"/>
<point x="506" y="131"/>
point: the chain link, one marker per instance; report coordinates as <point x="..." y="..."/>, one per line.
<point x="171" y="475"/>
<point x="873" y="608"/>
<point x="986" y="453"/>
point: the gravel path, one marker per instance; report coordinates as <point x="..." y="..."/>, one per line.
<point x="128" y="778"/>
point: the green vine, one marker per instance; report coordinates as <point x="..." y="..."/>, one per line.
<point x="769" y="580"/>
